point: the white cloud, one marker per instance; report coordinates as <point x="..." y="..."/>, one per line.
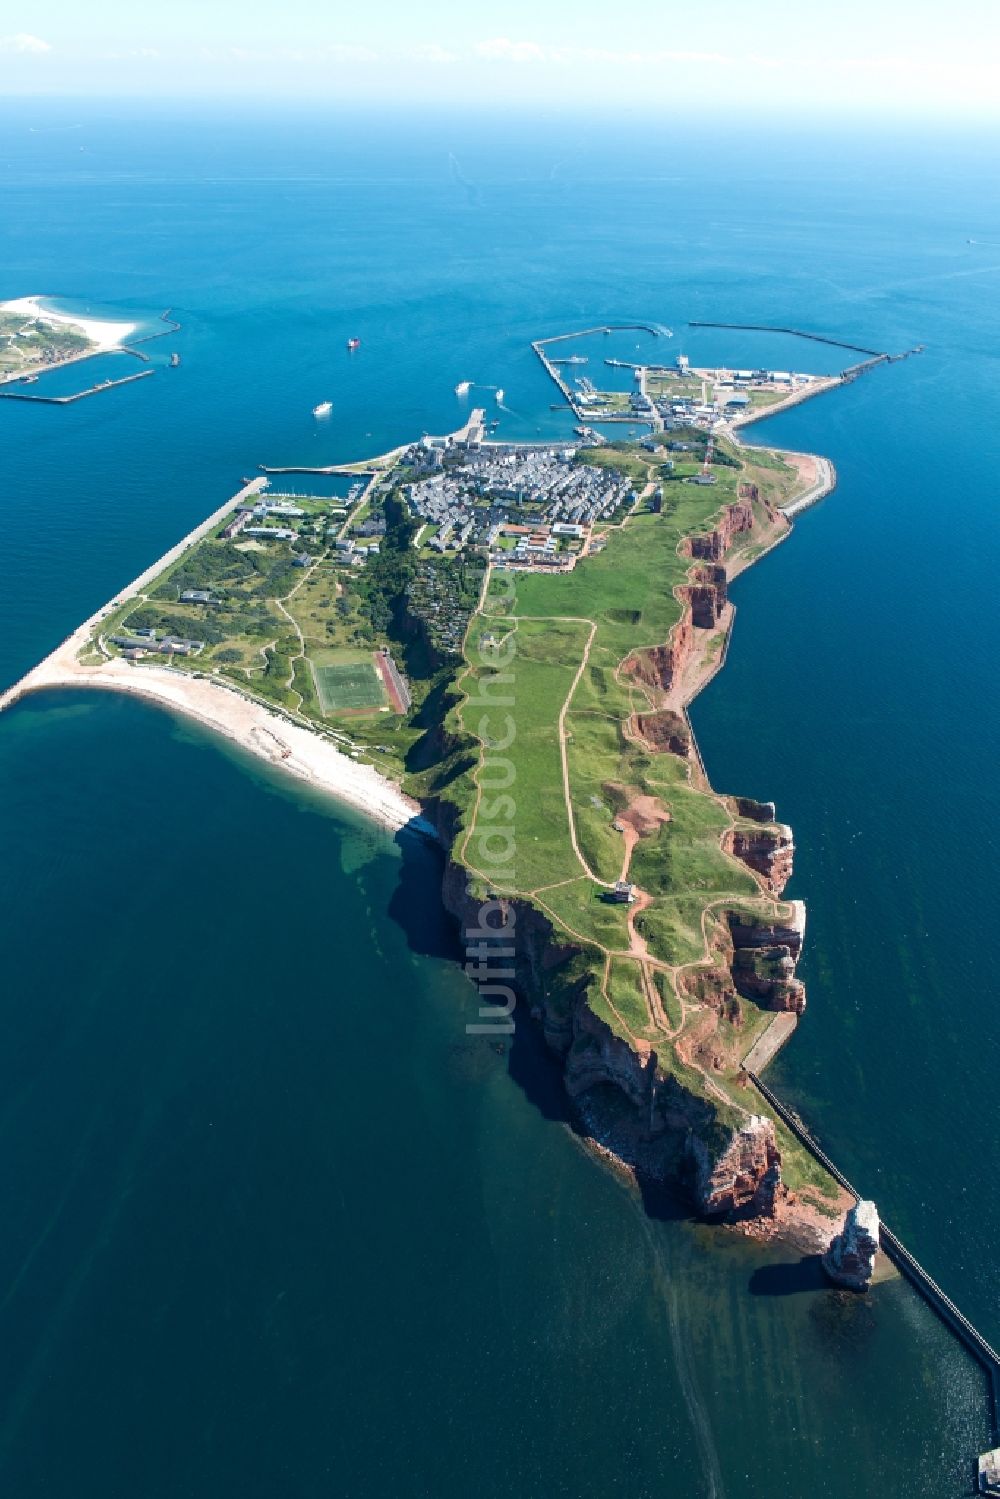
<point x="22" y="41"/>
<point x="502" y="49"/>
<point x="433" y="52"/>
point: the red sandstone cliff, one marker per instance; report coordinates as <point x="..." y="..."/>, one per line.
<point x="743" y="1179"/>
<point x="713" y="546"/>
<point x="763" y="959"/>
<point x="768" y="851"/>
<point x="659" y="666"/>
<point x="663" y="731"/>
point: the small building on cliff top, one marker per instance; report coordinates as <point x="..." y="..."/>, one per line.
<point x="621" y="893"/>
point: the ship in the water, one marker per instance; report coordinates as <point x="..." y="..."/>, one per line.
<point x="463" y="387"/>
<point x="323" y="409"/>
<point x="499" y="395"/>
<point x="354" y="343"/>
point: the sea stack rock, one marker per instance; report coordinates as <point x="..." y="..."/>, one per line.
<point x="850" y="1258"/>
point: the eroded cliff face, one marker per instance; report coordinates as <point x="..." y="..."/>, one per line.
<point x="754" y="811"/>
<point x="769" y="851"/>
<point x="660" y="666"/>
<point x="850" y="1259"/>
<point x="596" y="1056"/>
<point x="743" y="1179"/>
<point x="713" y="545"/>
<point x="704" y="597"/>
<point x="764" y="956"/>
<point x="663" y="731"/>
<point x="708" y="595"/>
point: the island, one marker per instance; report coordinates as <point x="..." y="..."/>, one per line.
<point x="496" y="643"/>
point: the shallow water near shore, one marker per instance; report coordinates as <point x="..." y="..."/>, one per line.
<point x="273" y="1222"/>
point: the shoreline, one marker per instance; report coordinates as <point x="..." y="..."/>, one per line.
<point x="297" y="752"/>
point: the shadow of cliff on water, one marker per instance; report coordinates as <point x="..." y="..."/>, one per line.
<point x="416" y="906"/>
<point x="663" y="1203"/>
<point x="789" y="1279"/>
<point x="536" y="1071"/>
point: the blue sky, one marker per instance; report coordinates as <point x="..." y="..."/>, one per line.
<point x="723" y="57"/>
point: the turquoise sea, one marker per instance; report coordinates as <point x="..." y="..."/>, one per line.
<point x="272" y="1224"/>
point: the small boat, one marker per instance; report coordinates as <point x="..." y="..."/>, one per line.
<point x="353" y="343"/>
<point x="499" y="395"/>
<point x="175" y="360"/>
<point x="463" y="387"/>
<point x="323" y="409"/>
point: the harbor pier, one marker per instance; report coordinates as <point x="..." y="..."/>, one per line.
<point x="79" y="395"/>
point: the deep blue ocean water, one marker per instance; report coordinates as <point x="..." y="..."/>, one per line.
<point x="272" y="1224"/>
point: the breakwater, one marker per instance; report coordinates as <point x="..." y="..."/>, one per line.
<point x="79" y="395"/>
<point x="907" y="1263"/>
<point x="346" y="470"/>
<point x="172" y="326"/>
<point x="654" y="328"/>
<point x="819" y="338"/>
<point x="875" y="356"/>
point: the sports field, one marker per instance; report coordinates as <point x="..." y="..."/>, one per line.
<point x="348" y="685"/>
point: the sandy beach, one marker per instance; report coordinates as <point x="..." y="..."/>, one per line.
<point x="268" y="735"/>
<point x="105" y="335"/>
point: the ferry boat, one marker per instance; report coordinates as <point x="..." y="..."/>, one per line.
<point x="463" y="387"/>
<point x="354" y="343"/>
<point x="323" y="409"/>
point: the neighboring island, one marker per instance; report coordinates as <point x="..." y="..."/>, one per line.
<point x="330" y="632"/>
<point x="34" y="339"/>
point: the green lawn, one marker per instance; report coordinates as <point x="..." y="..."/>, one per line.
<point x="347" y="684"/>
